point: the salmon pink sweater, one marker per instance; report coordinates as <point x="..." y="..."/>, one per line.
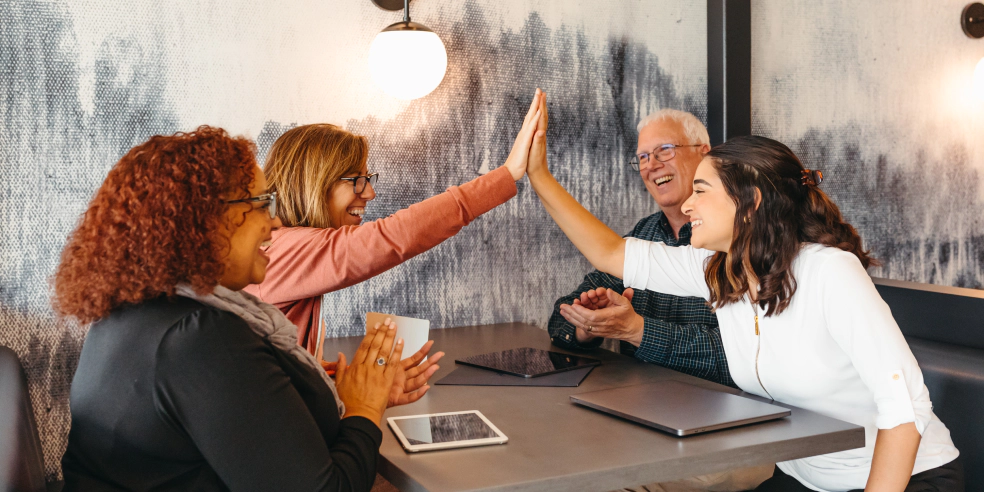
<point x="307" y="262"/>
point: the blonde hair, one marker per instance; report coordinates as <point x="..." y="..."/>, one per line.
<point x="303" y="166"/>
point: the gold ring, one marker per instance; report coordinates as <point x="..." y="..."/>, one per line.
<point x="590" y="329"/>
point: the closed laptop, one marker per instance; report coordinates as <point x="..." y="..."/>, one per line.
<point x="679" y="408"/>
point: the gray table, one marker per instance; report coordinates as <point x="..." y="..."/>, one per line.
<point x="556" y="445"/>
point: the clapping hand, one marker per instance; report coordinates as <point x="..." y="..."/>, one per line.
<point x="364" y="386"/>
<point x="410" y="383"/>
<point x="604" y="313"/>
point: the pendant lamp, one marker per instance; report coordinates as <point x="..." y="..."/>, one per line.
<point x="406" y="60"/>
<point x="972" y="22"/>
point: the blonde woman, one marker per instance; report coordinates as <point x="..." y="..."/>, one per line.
<point x="323" y="184"/>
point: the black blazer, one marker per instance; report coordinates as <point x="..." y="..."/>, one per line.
<point x="177" y="395"/>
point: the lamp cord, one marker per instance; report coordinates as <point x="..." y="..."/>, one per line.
<point x="406" y="11"/>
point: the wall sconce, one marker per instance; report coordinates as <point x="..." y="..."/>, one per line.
<point x="406" y="60"/>
<point x="972" y="21"/>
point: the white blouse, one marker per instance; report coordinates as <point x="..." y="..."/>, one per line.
<point x="836" y="350"/>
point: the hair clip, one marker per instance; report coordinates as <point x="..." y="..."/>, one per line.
<point x="812" y="178"/>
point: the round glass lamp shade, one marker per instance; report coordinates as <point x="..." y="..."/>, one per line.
<point x="407" y="60"/>
<point x="979" y="80"/>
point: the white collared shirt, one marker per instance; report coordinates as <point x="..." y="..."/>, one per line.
<point x="836" y="350"/>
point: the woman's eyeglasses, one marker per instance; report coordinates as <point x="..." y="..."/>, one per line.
<point x="662" y="153"/>
<point x="267" y="201"/>
<point x="359" y="182"/>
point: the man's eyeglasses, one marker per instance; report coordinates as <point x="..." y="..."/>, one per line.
<point x="267" y="201"/>
<point x="662" y="153"/>
<point x="359" y="182"/>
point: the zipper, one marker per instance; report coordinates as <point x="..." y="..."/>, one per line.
<point x="758" y="349"/>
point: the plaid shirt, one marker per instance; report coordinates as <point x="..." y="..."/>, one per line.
<point x="680" y="333"/>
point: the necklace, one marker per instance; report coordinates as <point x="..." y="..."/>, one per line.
<point x="758" y="348"/>
<point x="756" y="310"/>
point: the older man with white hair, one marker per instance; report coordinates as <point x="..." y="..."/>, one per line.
<point x="680" y="333"/>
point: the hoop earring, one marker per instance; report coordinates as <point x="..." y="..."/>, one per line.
<point x="747" y="220"/>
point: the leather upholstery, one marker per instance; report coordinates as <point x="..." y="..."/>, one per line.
<point x="21" y="462"/>
<point x="955" y="378"/>
<point x="945" y="330"/>
<point x="931" y="312"/>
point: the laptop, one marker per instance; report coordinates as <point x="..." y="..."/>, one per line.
<point x="679" y="408"/>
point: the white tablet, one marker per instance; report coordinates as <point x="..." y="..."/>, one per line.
<point x="445" y="431"/>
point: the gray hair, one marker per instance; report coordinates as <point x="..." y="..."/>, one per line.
<point x="695" y="131"/>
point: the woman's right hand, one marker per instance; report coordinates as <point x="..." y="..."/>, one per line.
<point x="365" y="385"/>
<point x="538" y="151"/>
<point x="519" y="155"/>
<point x="604" y="248"/>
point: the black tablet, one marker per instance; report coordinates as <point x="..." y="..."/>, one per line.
<point x="528" y="362"/>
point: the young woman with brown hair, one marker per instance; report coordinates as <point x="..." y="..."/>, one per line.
<point x="800" y="319"/>
<point x="321" y="175"/>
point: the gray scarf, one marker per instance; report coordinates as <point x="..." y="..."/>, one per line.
<point x="266" y="321"/>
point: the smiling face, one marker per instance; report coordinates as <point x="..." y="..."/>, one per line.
<point x="344" y="206"/>
<point x="711" y="210"/>
<point x="670" y="182"/>
<point x="249" y="232"/>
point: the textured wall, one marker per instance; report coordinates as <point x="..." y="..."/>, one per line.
<point x="82" y="81"/>
<point x="877" y="95"/>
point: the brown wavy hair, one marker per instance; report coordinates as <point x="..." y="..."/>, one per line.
<point x="791" y="213"/>
<point x="156" y="221"/>
<point x="303" y="166"/>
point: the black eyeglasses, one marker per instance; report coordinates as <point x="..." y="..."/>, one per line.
<point x="662" y="153"/>
<point x="359" y="182"/>
<point x="267" y="201"/>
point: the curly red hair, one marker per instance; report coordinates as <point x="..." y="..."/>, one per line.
<point x="156" y="221"/>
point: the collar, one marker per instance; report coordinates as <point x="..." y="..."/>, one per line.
<point x="684" y="238"/>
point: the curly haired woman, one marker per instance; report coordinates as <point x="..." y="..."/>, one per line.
<point x="185" y="382"/>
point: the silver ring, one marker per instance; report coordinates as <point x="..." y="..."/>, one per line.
<point x="381" y="361"/>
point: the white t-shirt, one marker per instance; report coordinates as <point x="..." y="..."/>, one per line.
<point x="836" y="350"/>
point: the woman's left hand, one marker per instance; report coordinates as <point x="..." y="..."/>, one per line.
<point x="410" y="383"/>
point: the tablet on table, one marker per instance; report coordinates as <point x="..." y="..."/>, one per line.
<point x="528" y="362"/>
<point x="445" y="431"/>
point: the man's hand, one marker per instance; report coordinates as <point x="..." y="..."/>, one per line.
<point x="410" y="383"/>
<point x="603" y="313"/>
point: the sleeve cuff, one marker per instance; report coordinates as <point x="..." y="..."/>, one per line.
<point x="656" y="340"/>
<point x="636" y="265"/>
<point x="485" y="192"/>
<point x="897" y="407"/>
<point x="366" y="426"/>
<point x="566" y="337"/>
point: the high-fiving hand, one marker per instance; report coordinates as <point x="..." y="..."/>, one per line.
<point x="538" y="152"/>
<point x="519" y="155"/>
<point x="603" y="313"/>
